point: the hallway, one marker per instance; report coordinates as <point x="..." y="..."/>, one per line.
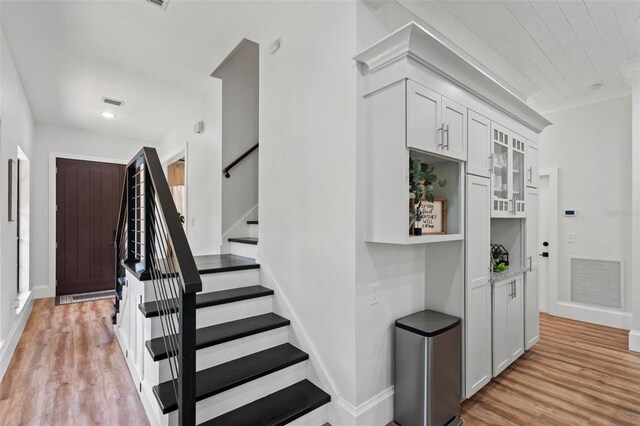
<point x="68" y="370"/>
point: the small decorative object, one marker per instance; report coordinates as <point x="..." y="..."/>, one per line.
<point x="499" y="256"/>
<point x="431" y="217"/>
<point x="12" y="189"/>
<point x="426" y="214"/>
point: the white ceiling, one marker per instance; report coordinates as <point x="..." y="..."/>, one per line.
<point x="70" y="54"/>
<point x="557" y="48"/>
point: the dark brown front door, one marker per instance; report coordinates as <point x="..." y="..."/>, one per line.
<point x="87" y="196"/>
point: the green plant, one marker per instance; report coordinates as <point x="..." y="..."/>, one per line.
<point x="421" y="181"/>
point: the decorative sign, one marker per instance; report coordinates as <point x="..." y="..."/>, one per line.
<point x="432" y="217"/>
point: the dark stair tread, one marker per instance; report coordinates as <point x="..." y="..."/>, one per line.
<point x="244" y="240"/>
<point x="277" y="409"/>
<point x="122" y="281"/>
<point x="252" y="222"/>
<point x="221" y="333"/>
<point x="203" y="300"/>
<point x="223" y="377"/>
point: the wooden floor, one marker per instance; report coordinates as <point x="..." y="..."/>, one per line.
<point x="68" y="370"/>
<point x="578" y="374"/>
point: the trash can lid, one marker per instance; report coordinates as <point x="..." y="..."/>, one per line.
<point x="428" y="323"/>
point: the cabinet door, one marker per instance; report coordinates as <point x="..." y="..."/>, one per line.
<point x="500" y="176"/>
<point x="502" y="291"/>
<point x="516" y="319"/>
<point x="533" y="172"/>
<point x="424" y="119"/>
<point x="531" y="303"/>
<point x="478" y="289"/>
<point x="454" y="123"/>
<point x="478" y="145"/>
<point x="518" y="149"/>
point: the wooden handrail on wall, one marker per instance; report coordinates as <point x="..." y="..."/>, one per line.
<point x="227" y="169"/>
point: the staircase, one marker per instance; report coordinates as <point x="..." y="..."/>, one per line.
<point x="246" y="246"/>
<point x="246" y="370"/>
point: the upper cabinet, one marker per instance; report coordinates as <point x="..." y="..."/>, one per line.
<point x="478" y="145"/>
<point x="508" y="151"/>
<point x="435" y="124"/>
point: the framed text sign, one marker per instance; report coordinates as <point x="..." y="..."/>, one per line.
<point x="432" y="217"/>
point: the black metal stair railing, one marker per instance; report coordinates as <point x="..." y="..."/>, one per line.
<point x="151" y="239"/>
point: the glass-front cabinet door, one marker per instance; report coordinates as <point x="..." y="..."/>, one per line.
<point x="508" y="172"/>
<point x="500" y="176"/>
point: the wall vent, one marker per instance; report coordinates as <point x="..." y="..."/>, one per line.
<point x="597" y="282"/>
<point x="162" y="3"/>
<point x="113" y="102"/>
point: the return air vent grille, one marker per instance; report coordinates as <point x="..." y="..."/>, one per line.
<point x="597" y="282"/>
<point x="113" y="102"/>
<point x="162" y="3"/>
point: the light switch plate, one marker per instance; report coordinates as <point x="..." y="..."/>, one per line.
<point x="375" y="294"/>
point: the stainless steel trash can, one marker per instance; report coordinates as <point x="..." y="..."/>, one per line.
<point x="427" y="370"/>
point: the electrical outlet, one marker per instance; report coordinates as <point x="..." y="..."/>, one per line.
<point x="375" y="294"/>
<point x="571" y="237"/>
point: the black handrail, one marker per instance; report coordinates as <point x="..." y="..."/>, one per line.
<point x="239" y="159"/>
<point x="150" y="235"/>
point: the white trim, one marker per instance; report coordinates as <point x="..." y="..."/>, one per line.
<point x="8" y="346"/>
<point x="628" y="67"/>
<point x="595" y="315"/>
<point x="622" y="285"/>
<point x="225" y="247"/>
<point x="376" y="410"/>
<point x="50" y="289"/>
<point x="181" y="154"/>
<point x="552" y="238"/>
<point x="634" y="340"/>
<point x="590" y="99"/>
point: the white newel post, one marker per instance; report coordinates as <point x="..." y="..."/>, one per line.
<point x="633" y="69"/>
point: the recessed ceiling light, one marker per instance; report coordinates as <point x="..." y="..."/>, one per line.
<point x="108" y="115"/>
<point x="596" y="86"/>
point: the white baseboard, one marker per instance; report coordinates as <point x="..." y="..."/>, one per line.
<point x="43" y="292"/>
<point x="8" y="346"/>
<point x="378" y="410"/>
<point x="634" y="340"/>
<point x="595" y="315"/>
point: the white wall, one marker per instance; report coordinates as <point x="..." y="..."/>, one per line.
<point x="307" y="176"/>
<point x="591" y="147"/>
<point x="239" y="75"/>
<point x="17" y="129"/>
<point x="74" y="143"/>
<point x="204" y="170"/>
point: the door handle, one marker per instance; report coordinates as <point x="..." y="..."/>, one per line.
<point x="447" y="131"/>
<point x="491" y="163"/>
<point x="530" y="263"/>
<point x="441" y="131"/>
<point x="531" y="174"/>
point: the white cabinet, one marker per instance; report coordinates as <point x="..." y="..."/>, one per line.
<point x="508" y="322"/>
<point x="477" y="286"/>
<point x="478" y="145"/>
<point x="435" y="124"/>
<point x="531" y="302"/>
<point x="532" y="170"/>
<point x="508" y="178"/>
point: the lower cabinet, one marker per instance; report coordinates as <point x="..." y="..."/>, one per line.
<point x="531" y="310"/>
<point x="508" y="322"/>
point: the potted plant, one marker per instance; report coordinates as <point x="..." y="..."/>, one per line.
<point x="422" y="178"/>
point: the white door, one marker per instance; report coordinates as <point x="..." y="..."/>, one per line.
<point x="543" y="237"/>
<point x="532" y="171"/>
<point x="531" y="291"/>
<point x="424" y="119"/>
<point x="518" y="150"/>
<point x="502" y="291"/>
<point x="454" y="123"/>
<point x="516" y="318"/>
<point x="478" y="145"/>
<point x="501" y="171"/>
<point x="478" y="288"/>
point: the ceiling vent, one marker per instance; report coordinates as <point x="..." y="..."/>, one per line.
<point x="162" y="3"/>
<point x="113" y="102"/>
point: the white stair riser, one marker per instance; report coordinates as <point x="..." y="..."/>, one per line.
<point x="228" y="280"/>
<point x="247" y="250"/>
<point x="244" y="394"/>
<point x="212" y="315"/>
<point x="225" y="352"/>
<point x="317" y="417"/>
<point x="253" y="230"/>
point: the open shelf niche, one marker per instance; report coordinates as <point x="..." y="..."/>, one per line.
<point x="452" y="193"/>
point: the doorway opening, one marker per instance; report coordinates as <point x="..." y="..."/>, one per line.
<point x="176" y="178"/>
<point x="22" y="225"/>
<point x="87" y="201"/>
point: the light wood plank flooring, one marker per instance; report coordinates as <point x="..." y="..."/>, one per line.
<point x="578" y="374"/>
<point x="68" y="370"/>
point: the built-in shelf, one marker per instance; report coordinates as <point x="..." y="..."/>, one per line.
<point x="509" y="273"/>
<point x="437" y="238"/>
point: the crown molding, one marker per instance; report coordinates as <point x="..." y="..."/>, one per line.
<point x="590" y="99"/>
<point x="418" y="44"/>
<point x="628" y="67"/>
